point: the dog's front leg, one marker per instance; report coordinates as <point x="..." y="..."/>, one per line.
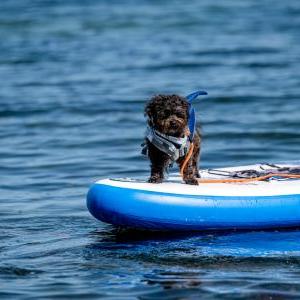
<point x="157" y="174"/>
<point x="159" y="163"/>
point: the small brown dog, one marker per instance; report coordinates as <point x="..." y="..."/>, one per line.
<point x="169" y="137"/>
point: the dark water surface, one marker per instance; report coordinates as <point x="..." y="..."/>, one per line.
<point x="74" y="79"/>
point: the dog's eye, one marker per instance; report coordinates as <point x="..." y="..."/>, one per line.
<point x="167" y="113"/>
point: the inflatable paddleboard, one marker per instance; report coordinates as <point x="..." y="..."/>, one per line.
<point x="174" y="205"/>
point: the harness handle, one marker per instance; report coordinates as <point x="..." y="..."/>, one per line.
<point x="194" y="95"/>
<point x="192" y="112"/>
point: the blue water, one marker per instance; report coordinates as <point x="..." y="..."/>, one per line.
<point x="75" y="76"/>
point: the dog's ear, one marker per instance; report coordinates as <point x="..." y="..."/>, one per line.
<point x="154" y="105"/>
<point x="149" y="112"/>
<point x="150" y="108"/>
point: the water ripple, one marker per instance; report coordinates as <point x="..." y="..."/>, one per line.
<point x="75" y="79"/>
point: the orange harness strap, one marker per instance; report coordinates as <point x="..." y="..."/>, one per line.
<point x="187" y="158"/>
<point x="233" y="180"/>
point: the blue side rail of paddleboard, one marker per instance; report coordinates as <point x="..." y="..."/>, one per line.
<point x="153" y="210"/>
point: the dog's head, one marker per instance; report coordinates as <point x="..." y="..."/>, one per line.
<point x="168" y="114"/>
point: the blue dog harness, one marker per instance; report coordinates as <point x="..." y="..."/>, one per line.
<point x="173" y="146"/>
<point x="192" y="112"/>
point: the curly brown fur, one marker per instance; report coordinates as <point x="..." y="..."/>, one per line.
<point x="168" y="114"/>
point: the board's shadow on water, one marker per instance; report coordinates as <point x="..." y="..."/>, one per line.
<point x="264" y="263"/>
<point x="196" y="246"/>
<point x="131" y="234"/>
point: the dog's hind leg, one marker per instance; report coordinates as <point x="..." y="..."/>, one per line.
<point x="195" y="162"/>
<point x="189" y="175"/>
<point x="190" y="172"/>
<point x="196" y="153"/>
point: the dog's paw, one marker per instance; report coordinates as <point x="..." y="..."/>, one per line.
<point x="192" y="181"/>
<point x="155" y="179"/>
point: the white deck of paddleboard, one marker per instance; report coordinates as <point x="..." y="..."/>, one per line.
<point x="174" y="185"/>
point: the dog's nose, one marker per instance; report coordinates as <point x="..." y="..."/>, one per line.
<point x="173" y="123"/>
